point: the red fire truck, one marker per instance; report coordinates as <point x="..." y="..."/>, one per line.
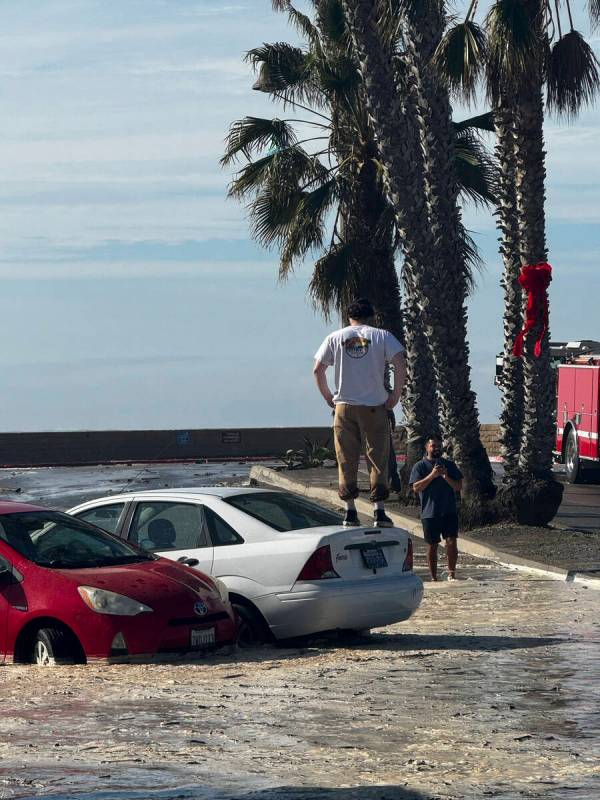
<point x="577" y="373"/>
<point x="577" y="406"/>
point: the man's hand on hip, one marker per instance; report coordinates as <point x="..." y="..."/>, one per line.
<point x="392" y="401"/>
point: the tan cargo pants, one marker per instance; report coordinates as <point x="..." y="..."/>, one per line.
<point x="353" y="426"/>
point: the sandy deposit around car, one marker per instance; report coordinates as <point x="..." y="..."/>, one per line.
<point x="491" y="690"/>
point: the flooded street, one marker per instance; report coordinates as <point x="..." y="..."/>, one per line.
<point x="491" y="690"/>
<point x="64" y="487"/>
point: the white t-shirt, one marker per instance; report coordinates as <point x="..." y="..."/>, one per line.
<point x="358" y="354"/>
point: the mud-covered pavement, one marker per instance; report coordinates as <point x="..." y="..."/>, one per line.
<point x="491" y="690"/>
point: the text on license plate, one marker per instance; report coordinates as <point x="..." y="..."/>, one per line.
<point x="202" y="637"/>
<point x="373" y="557"/>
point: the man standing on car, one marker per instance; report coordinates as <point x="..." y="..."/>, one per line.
<point x="358" y="353"/>
<point x="437" y="479"/>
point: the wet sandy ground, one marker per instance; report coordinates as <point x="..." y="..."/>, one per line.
<point x="491" y="690"/>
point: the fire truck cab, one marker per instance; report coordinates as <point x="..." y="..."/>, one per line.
<point x="577" y="371"/>
<point x="577" y="402"/>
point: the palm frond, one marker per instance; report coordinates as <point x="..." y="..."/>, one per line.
<point x="282" y="207"/>
<point x="390" y="15"/>
<point x="287" y="169"/>
<point x="481" y="122"/>
<point x="390" y="9"/>
<point x="255" y="133"/>
<point x="286" y="70"/>
<point x="332" y="21"/>
<point x="303" y="25"/>
<point x="594" y="13"/>
<point x="318" y="201"/>
<point x="475" y="169"/>
<point x="573" y="79"/>
<point x="272" y="214"/>
<point x="460" y="59"/>
<point x="471" y="257"/>
<point x="334" y="280"/>
<point x="252" y="177"/>
<point x="306" y="230"/>
<point x="513" y="45"/>
<point x="341" y="78"/>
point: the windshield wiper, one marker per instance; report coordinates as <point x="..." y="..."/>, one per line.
<point x="55" y="564"/>
<point x="90" y="563"/>
<point x="110" y="561"/>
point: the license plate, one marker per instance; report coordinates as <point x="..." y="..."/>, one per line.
<point x="373" y="557"/>
<point x="203" y="637"/>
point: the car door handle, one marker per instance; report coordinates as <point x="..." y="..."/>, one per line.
<point x="190" y="562"/>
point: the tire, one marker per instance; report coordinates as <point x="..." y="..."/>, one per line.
<point x="573" y="470"/>
<point x="251" y="628"/>
<point x="52" y="646"/>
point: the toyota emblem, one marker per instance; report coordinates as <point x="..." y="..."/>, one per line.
<point x="201" y="609"/>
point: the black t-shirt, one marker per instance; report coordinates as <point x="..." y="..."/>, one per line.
<point x="437" y="499"/>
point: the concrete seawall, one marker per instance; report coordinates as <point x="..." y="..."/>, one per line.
<point x="64" y="448"/>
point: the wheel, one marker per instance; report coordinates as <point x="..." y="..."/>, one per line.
<point x="251" y="628"/>
<point x="53" y="646"/>
<point x="573" y="470"/>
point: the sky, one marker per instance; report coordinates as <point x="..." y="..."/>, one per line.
<point x="132" y="294"/>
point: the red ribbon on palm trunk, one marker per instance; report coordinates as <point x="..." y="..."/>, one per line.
<point x="535" y="279"/>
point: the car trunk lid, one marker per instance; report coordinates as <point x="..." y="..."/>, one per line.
<point x="364" y="553"/>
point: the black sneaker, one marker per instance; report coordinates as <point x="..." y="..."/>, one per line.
<point x="351" y="518"/>
<point x="381" y="519"/>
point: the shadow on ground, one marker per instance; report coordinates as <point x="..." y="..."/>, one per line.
<point x="277" y="793"/>
<point x="413" y="641"/>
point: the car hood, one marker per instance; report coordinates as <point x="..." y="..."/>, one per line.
<point x="143" y="581"/>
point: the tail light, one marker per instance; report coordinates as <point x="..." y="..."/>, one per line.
<point x="408" y="561"/>
<point x="319" y="566"/>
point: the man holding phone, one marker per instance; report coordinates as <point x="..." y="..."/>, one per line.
<point x="437" y="480"/>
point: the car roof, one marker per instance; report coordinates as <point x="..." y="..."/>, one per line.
<point x="194" y="491"/>
<point x="10" y="507"/>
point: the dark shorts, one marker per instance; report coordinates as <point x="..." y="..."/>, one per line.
<point x="436" y="527"/>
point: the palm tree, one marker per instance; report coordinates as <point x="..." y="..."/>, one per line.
<point x="519" y="58"/>
<point x="293" y="191"/>
<point x="433" y="258"/>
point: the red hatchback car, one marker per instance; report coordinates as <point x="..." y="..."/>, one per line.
<point x="71" y="593"/>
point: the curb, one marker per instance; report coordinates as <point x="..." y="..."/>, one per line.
<point x="272" y="477"/>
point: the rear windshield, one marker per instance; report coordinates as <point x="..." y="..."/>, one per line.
<point x="55" y="540"/>
<point x="282" y="511"/>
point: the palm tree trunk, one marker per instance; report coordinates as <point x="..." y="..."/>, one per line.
<point x="511" y="384"/>
<point x="373" y="251"/>
<point x="421" y="416"/>
<point x="375" y="276"/>
<point x="438" y="277"/>
<point x="424" y="25"/>
<point x="538" y="430"/>
<point x="534" y="495"/>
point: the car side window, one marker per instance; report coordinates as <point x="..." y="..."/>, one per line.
<point x="105" y="517"/>
<point x="221" y="532"/>
<point x="169" y="526"/>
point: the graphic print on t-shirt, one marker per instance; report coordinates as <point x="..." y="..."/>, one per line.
<point x="357" y="346"/>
